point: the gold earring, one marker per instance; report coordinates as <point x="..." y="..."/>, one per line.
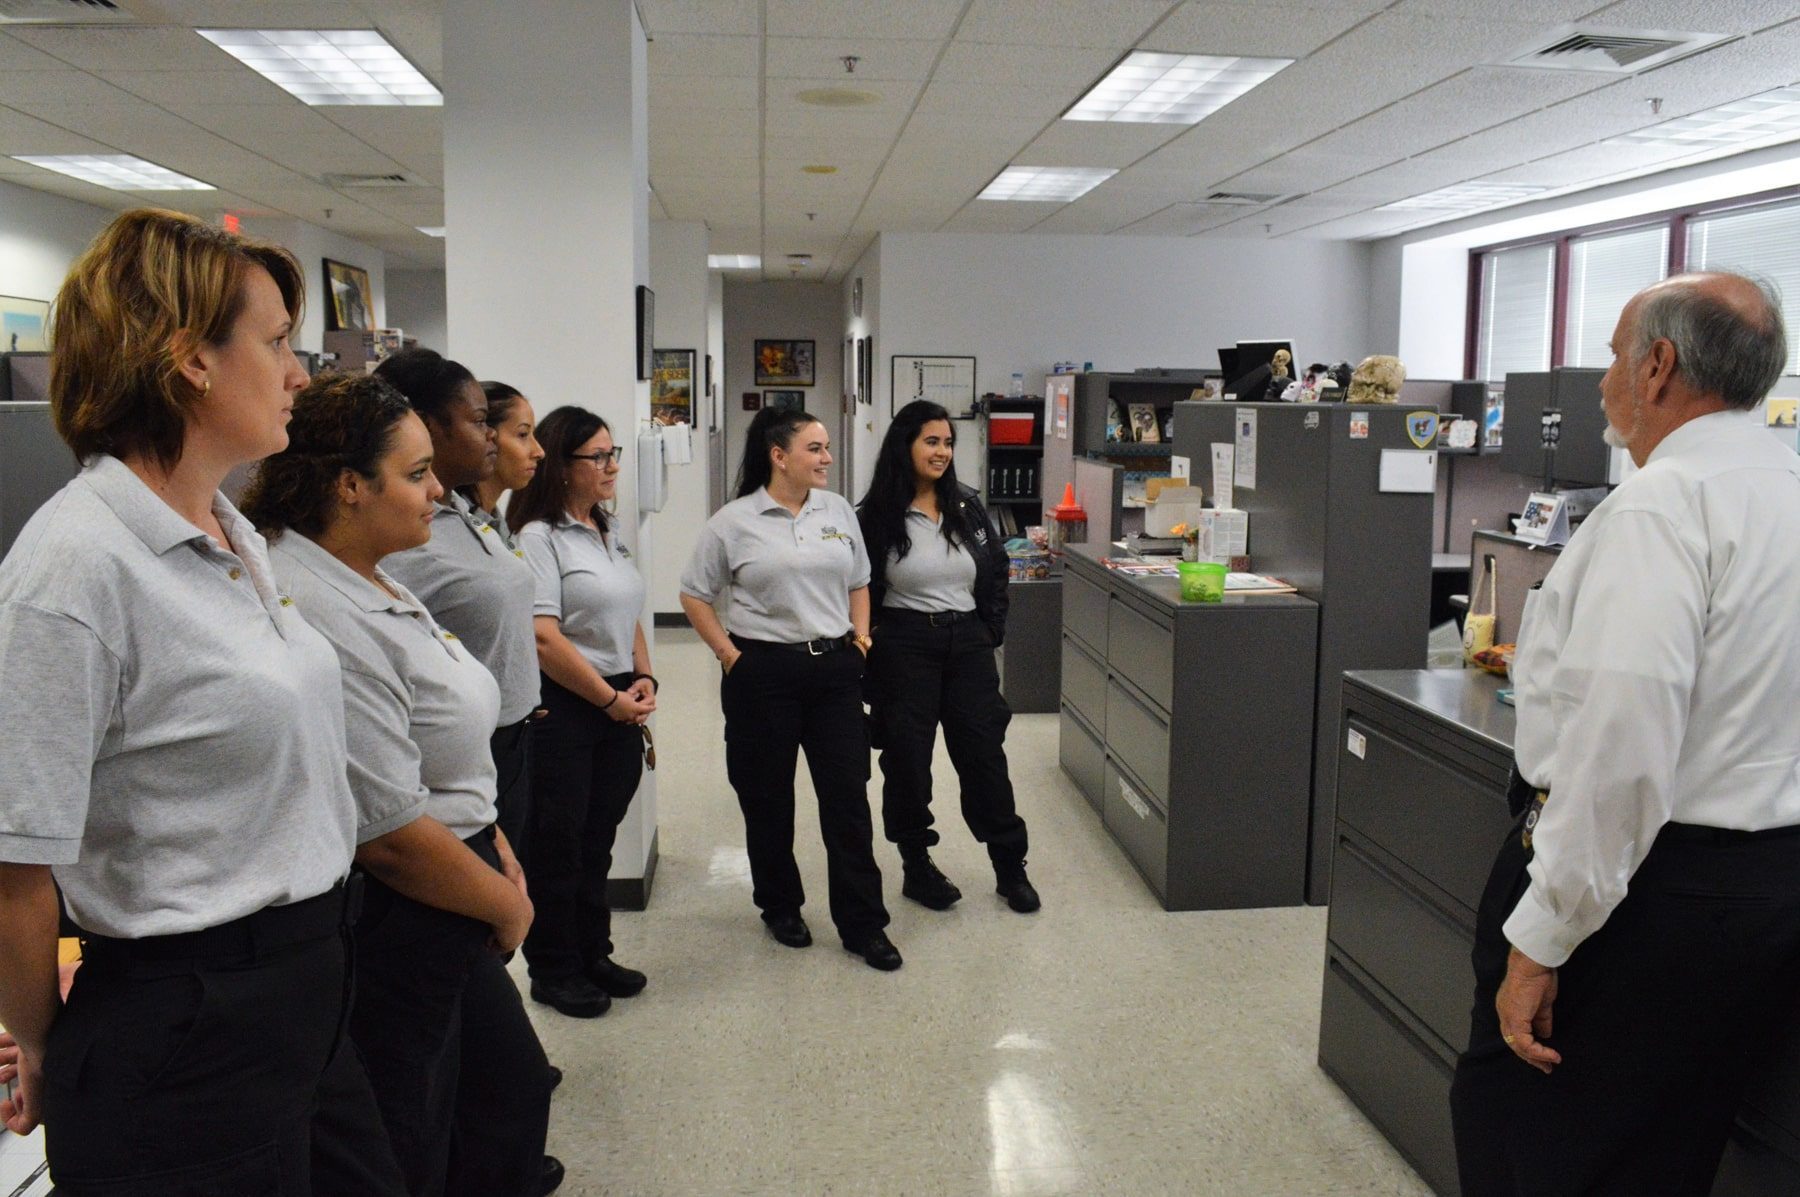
<point x="206" y="388"/>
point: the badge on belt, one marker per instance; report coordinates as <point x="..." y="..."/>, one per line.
<point x="1532" y="816"/>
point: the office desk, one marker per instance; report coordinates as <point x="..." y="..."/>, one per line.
<point x="1421" y="812"/>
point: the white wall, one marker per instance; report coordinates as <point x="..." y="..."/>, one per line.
<point x="312" y="245"/>
<point x="864" y="437"/>
<point x="415" y="305"/>
<point x="1023" y="302"/>
<point x="715" y="448"/>
<point x="679" y="277"/>
<point x="790" y="311"/>
<point x="40" y="235"/>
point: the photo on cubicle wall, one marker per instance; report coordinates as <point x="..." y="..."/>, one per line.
<point x="352" y="306"/>
<point x="24" y="325"/>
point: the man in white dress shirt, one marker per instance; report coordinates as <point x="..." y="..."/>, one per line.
<point x="1639" y="941"/>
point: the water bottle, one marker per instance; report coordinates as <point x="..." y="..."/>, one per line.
<point x="1018" y="385"/>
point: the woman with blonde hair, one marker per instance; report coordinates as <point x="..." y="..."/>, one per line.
<point x="175" y="756"/>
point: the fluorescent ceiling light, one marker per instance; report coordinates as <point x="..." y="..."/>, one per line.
<point x="433" y="231"/>
<point x="1466" y="197"/>
<point x="331" y="66"/>
<point x="1771" y="114"/>
<point x="120" y="172"/>
<point x="1171" y="89"/>
<point x="733" y="261"/>
<point x="1054" y="183"/>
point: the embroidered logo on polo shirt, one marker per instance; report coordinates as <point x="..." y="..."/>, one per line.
<point x="519" y="553"/>
<point x="285" y="600"/>
<point x="624" y="552"/>
<point x="830" y="533"/>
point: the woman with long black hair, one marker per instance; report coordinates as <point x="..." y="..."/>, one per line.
<point x="938" y="588"/>
<point x="598" y="692"/>
<point x="799" y="613"/>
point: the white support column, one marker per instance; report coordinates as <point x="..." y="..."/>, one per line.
<point x="546" y="188"/>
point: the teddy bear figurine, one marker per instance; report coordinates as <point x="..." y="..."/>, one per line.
<point x="1377" y="380"/>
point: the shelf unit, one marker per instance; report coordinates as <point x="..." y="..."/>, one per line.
<point x="1012" y="483"/>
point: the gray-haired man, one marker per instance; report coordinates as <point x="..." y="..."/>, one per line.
<point x="1639" y="939"/>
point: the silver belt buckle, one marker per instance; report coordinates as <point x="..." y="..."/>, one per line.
<point x="812" y="647"/>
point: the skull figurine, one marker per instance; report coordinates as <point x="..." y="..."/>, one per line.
<point x="1377" y="380"/>
<point x="1278" y="365"/>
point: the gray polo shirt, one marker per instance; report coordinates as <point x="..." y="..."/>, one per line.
<point x="498" y="524"/>
<point x="477" y="586"/>
<point x="418" y="705"/>
<point x="589" y="582"/>
<point x="935" y="575"/>
<point x="790" y="576"/>
<point x="174" y="731"/>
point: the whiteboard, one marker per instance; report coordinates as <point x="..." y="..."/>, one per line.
<point x="949" y="381"/>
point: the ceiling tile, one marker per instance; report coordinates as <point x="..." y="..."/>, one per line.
<point x="235" y="85"/>
<point x="975" y="103"/>
<point x="16" y="55"/>
<point x="22" y="134"/>
<point x="1181" y="220"/>
<point x="1115" y="24"/>
<point x="742" y="17"/>
<point x="1550" y="12"/>
<point x="683" y="55"/>
<point x="982" y="65"/>
<point x="1096" y="143"/>
<point x="139" y="48"/>
<point x="877" y="59"/>
<point x="267" y="14"/>
<point x="1704" y="16"/>
<point x="1257" y="30"/>
<point x="674" y="93"/>
<point x="991" y="216"/>
<point x="858" y="18"/>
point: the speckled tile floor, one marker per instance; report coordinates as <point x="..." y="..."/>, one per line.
<point x="1101" y="1046"/>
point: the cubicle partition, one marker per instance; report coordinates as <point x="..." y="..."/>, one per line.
<point x="34" y="462"/>
<point x="1323" y="519"/>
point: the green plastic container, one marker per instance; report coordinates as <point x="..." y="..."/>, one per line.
<point x="1202" y="581"/>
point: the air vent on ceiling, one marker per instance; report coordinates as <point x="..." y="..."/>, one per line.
<point x="1613" y="51"/>
<point x="1244" y="198"/>
<point x="340" y="182"/>
<point x="61" y="12"/>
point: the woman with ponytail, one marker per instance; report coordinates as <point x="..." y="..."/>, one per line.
<point x="792" y="555"/>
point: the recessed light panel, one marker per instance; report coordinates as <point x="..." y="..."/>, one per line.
<point x="1465" y="197"/>
<point x="330" y="66"/>
<point x="1058" y="184"/>
<point x="1171" y="89"/>
<point x="733" y="261"/>
<point x="431" y="230"/>
<point x="120" y="172"/>
<point x="1772" y="114"/>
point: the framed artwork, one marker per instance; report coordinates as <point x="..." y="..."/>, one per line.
<point x="865" y="368"/>
<point x="945" y="380"/>
<point x="752" y="400"/>
<point x="24" y="325"/>
<point x="785" y="400"/>
<point x="672" y="386"/>
<point x="352" y="306"/>
<point x="646" y="330"/>
<point x="784" y="363"/>
<point x="850" y="391"/>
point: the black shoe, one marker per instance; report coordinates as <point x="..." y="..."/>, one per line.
<point x="876" y="950"/>
<point x="924" y="884"/>
<point x="555" y="1077"/>
<point x="1010" y="883"/>
<point x="789" y="929"/>
<point x="551" y="1178"/>
<point x="577" y="997"/>
<point x="616" y="979"/>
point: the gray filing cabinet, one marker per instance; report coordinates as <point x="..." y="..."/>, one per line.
<point x="1027" y="662"/>
<point x="1421" y="812"/>
<point x="1188" y="727"/>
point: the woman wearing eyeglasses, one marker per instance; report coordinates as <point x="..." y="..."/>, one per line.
<point x="587" y="754"/>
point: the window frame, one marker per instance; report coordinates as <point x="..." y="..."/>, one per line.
<point x="1674" y="219"/>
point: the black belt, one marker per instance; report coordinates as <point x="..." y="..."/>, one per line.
<point x="816" y="648"/>
<point x="265" y="930"/>
<point x="1694" y="833"/>
<point x="935" y="619"/>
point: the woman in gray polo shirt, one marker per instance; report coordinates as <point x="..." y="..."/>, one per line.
<point x="353" y="486"/>
<point x="792" y="555"/>
<point x="516" y="459"/>
<point x="589" y="750"/>
<point x="174" y="754"/>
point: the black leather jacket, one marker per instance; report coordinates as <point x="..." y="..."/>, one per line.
<point x="990" y="561"/>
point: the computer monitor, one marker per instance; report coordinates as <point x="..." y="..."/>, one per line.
<point x="1228" y="364"/>
<point x="1250" y="380"/>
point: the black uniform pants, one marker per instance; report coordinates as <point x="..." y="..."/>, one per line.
<point x="215" y="1065"/>
<point x="1660" y="1016"/>
<point x="511" y="749"/>
<point x="927" y="670"/>
<point x="585" y="771"/>
<point x="502" y="1091"/>
<point x="777" y="701"/>
<point x="418" y="965"/>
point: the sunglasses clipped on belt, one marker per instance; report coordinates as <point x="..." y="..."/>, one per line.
<point x="649" y="747"/>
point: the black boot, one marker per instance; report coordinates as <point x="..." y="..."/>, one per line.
<point x="1011" y="883"/>
<point x="923" y="883"/>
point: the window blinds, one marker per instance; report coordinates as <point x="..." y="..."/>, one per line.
<point x="1604" y="272"/>
<point x="1762" y="241"/>
<point x="1517" y="292"/>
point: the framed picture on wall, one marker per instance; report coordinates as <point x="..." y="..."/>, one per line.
<point x="352" y="306"/>
<point x="785" y="400"/>
<point x="646" y="331"/>
<point x="784" y="363"/>
<point x="22" y="324"/>
<point x="865" y="368"/>
<point x="850" y="391"/>
<point x="672" y="386"/>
